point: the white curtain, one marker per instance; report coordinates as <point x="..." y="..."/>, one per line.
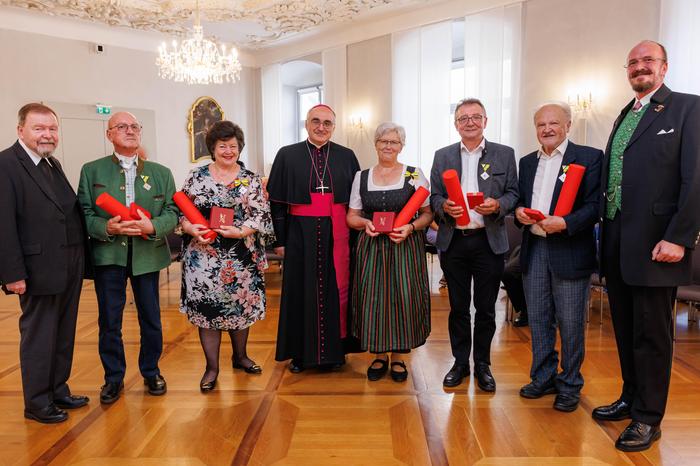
<point x="679" y="33"/>
<point x="492" y="41"/>
<point x="421" y="64"/>
<point x="271" y="88"/>
<point x="422" y="67"/>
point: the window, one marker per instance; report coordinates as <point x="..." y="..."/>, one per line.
<point x="306" y="98"/>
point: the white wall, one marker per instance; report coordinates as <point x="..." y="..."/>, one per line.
<point x="369" y="93"/>
<point x="40" y="68"/>
<point x="571" y="45"/>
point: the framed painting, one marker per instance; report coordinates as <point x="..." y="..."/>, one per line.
<point x="204" y="112"/>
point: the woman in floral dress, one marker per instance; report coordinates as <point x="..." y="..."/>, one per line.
<point x="223" y="287"/>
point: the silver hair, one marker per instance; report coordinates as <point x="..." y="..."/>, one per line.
<point x="566" y="108"/>
<point x="470" y="101"/>
<point x="388" y="126"/>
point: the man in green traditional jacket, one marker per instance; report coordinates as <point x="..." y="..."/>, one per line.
<point x="126" y="248"/>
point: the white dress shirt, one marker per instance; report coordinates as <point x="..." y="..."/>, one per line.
<point x="129" y="165"/>
<point x="36" y="158"/>
<point x="548" y="168"/>
<point x="470" y="179"/>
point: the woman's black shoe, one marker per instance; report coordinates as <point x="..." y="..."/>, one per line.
<point x="374" y="374"/>
<point x="208" y="386"/>
<point x="252" y="369"/>
<point x="399" y="376"/>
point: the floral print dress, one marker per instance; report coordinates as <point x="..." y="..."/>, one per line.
<point x="223" y="284"/>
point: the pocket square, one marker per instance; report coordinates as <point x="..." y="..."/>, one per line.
<point x="663" y="131"/>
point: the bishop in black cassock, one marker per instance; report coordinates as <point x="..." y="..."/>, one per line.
<point x="309" y="188"/>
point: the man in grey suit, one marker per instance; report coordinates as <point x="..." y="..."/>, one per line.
<point x="475" y="252"/>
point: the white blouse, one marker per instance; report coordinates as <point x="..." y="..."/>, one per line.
<point x="356" y="201"/>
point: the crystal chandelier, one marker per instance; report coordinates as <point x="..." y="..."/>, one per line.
<point x="198" y="60"/>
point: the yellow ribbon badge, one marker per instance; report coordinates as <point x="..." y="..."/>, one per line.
<point x="409" y="174"/>
<point x="238" y="182"/>
<point x="485" y="166"/>
<point x="144" y="178"/>
<point x="564" y="168"/>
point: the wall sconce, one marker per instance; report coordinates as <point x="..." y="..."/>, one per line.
<point x="358" y="121"/>
<point x="581" y="104"/>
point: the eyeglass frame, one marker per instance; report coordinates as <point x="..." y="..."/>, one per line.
<point x="387" y="142"/>
<point x="135" y="127"/>
<point x="645" y="60"/>
<point x="464" y="119"/>
<point x="327" y="124"/>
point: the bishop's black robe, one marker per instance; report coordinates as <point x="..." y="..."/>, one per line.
<point x="313" y="325"/>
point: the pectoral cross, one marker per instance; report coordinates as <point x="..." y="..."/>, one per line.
<point x="322" y="188"/>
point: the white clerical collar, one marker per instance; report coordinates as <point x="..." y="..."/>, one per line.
<point x="560" y="150"/>
<point x="647" y="98"/>
<point x="36" y="158"/>
<point x="477" y="150"/>
<point x="126" y="162"/>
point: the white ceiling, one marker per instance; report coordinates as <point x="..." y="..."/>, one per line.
<point x="251" y="24"/>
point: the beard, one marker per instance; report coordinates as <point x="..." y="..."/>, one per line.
<point x="642" y="87"/>
<point x="45" y="150"/>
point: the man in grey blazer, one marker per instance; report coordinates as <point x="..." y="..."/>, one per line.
<point x="478" y="251"/>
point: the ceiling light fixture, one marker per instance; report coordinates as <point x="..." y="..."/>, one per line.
<point x="198" y="60"/>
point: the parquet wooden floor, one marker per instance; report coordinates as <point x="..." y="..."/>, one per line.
<point x="335" y="418"/>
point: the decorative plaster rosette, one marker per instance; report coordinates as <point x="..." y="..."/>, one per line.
<point x="278" y="18"/>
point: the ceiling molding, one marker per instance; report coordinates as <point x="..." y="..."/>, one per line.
<point x="267" y="21"/>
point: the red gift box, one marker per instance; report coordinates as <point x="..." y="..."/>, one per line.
<point x="383" y="222"/>
<point x="534" y="214"/>
<point x="221" y="216"/>
<point x="475" y="199"/>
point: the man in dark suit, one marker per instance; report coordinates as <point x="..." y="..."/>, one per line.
<point x="477" y="251"/>
<point x="557" y="256"/>
<point x="650" y="215"/>
<point x="42" y="261"/>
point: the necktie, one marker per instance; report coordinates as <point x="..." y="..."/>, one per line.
<point x="637" y="106"/>
<point x="46" y="169"/>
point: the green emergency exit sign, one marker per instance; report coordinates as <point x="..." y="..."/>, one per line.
<point x="103" y="109"/>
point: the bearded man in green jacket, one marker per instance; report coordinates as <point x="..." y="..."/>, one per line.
<point x="128" y="249"/>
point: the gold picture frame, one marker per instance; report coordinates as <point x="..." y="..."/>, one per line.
<point x="205" y="111"/>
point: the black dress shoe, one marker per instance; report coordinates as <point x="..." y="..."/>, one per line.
<point x="637" y="437"/>
<point x="376" y="373"/>
<point x="156" y="385"/>
<point x="400" y="375"/>
<point x="520" y="321"/>
<point x="48" y="415"/>
<point x="110" y="392"/>
<point x="484" y="379"/>
<point x="616" y="411"/>
<point x="71" y="401"/>
<point x="534" y="390"/>
<point x="208" y="386"/>
<point x="566" y="402"/>
<point x="252" y="369"/>
<point x="295" y="366"/>
<point x="455" y="376"/>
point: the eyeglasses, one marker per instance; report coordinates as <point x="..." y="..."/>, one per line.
<point x="122" y="127"/>
<point x="477" y="119"/>
<point x="328" y="124"/>
<point x="388" y="142"/>
<point x="646" y="61"/>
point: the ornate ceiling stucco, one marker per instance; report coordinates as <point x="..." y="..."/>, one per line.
<point x="275" y="19"/>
